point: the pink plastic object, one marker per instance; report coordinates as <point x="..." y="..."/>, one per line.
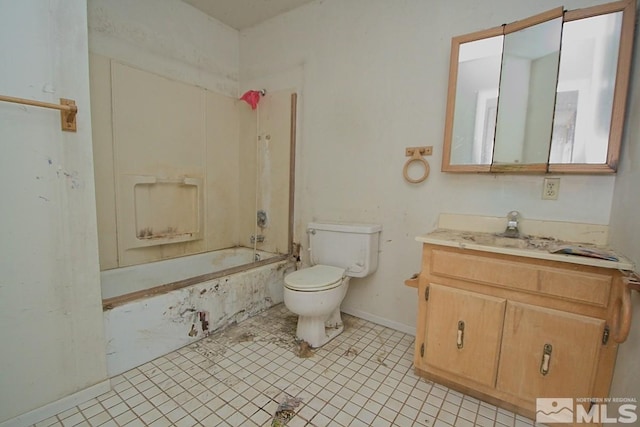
<point x="251" y="97"/>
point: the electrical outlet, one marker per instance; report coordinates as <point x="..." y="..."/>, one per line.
<point x="551" y="189"/>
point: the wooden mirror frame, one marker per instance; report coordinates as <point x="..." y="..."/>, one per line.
<point x="627" y="7"/>
<point x="623" y="71"/>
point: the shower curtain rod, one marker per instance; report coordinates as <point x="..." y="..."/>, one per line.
<point x="67" y="107"/>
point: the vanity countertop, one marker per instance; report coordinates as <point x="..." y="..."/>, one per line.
<point x="527" y="246"/>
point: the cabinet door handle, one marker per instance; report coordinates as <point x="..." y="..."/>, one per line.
<point x="621" y="322"/>
<point x="546" y="359"/>
<point x="460" y="338"/>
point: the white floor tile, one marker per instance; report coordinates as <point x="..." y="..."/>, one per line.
<point x="239" y="377"/>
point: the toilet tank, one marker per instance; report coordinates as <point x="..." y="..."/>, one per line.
<point x="353" y="247"/>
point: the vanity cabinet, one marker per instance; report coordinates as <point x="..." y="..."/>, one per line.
<point x="463" y="332"/>
<point x="548" y="353"/>
<point x="509" y="329"/>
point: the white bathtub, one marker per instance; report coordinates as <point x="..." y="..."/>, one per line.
<point x="147" y="327"/>
<point x="136" y="278"/>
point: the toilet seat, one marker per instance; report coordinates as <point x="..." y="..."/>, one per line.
<point x="316" y="278"/>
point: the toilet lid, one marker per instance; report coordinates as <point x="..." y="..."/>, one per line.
<point x="316" y="278"/>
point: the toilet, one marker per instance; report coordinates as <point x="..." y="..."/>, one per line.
<point x="337" y="252"/>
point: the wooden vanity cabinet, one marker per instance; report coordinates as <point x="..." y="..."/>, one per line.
<point x="548" y="353"/>
<point x="463" y="332"/>
<point x="510" y="329"/>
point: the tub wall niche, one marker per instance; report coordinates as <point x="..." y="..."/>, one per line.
<point x="164" y="211"/>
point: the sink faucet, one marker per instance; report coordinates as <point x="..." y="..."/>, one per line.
<point x="512" y="224"/>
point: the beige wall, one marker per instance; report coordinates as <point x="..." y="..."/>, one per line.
<point x="100" y="86"/>
<point x="269" y="178"/>
<point x="51" y="326"/>
<point x="198" y="52"/>
<point x="151" y="127"/>
<point x="136" y="34"/>
<point x="223" y="171"/>
<point x="247" y="179"/>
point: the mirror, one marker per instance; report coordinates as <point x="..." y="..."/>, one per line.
<point x="474" y="119"/>
<point x="590" y="141"/>
<point x="554" y="100"/>
<point x="527" y="93"/>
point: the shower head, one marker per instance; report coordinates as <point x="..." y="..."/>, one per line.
<point x="252" y="97"/>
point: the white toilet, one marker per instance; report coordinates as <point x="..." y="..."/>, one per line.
<point x="338" y="251"/>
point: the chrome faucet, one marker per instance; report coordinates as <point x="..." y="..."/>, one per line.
<point x="512" y="224"/>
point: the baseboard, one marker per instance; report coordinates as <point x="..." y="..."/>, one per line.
<point x="53" y="408"/>
<point x="409" y="330"/>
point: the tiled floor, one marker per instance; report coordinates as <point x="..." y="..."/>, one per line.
<point x="238" y="377"/>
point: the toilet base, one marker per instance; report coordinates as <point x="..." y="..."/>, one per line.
<point x="317" y="331"/>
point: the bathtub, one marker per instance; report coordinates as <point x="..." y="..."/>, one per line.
<point x="156" y="308"/>
<point x="151" y="277"/>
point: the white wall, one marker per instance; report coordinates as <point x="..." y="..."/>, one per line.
<point x="51" y="326"/>
<point x="168" y="37"/>
<point x="374" y="81"/>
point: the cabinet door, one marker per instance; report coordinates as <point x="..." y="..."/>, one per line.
<point x="463" y="333"/>
<point x="548" y="353"/>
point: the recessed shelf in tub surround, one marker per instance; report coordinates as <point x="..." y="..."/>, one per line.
<point x="160" y="210"/>
<point x="541" y="237"/>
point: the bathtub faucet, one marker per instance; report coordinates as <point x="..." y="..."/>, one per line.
<point x="259" y="238"/>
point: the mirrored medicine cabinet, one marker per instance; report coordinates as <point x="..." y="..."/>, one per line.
<point x="546" y="94"/>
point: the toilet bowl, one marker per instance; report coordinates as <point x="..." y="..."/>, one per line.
<point x="315" y="295"/>
<point x="337" y="251"/>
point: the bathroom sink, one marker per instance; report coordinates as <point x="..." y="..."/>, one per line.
<point x="542" y="247"/>
<point x="521" y="242"/>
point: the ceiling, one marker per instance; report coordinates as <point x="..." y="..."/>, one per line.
<point x="241" y="14"/>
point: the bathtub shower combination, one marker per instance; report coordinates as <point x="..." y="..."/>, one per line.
<point x="194" y="211"/>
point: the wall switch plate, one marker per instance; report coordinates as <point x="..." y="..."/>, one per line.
<point x="551" y="189"/>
